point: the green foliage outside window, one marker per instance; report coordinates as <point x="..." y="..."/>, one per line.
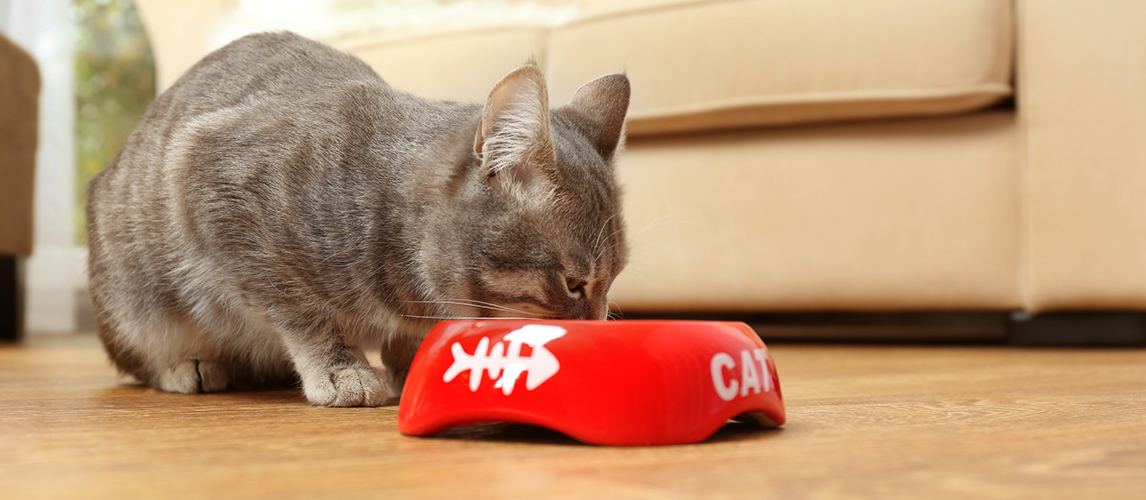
<point x="115" y="82"/>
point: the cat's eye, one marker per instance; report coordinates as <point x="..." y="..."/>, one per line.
<point x="576" y="287"/>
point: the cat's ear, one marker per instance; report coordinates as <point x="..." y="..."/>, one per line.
<point x="514" y="139"/>
<point x="603" y="102"/>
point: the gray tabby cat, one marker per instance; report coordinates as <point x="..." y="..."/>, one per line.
<point x="280" y="209"/>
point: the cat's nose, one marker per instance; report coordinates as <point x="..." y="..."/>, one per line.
<point x="598" y="308"/>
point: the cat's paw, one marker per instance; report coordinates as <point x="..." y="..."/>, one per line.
<point x="346" y="386"/>
<point x="192" y="376"/>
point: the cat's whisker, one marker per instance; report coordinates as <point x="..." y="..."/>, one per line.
<point x="464" y="302"/>
<point x="600" y="253"/>
<point x="521" y="314"/>
<point x="479" y="306"/>
<point x="474" y="303"/>
<point x="661" y="221"/>
<point x="614" y="315"/>
<point x="597" y="242"/>
<point x="501" y="307"/>
<point x="446" y="318"/>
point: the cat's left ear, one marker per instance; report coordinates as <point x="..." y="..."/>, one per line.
<point x="603" y="103"/>
<point x="514" y="139"/>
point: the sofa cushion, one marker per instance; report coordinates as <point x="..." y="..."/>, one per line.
<point x="712" y="64"/>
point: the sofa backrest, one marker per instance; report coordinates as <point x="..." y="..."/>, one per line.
<point x="695" y="65"/>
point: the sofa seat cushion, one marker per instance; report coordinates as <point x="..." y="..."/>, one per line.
<point x="712" y="64"/>
<point x="917" y="214"/>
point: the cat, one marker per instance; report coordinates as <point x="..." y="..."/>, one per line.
<point x="280" y="211"/>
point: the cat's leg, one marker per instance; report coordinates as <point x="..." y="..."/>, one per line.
<point x="397" y="355"/>
<point x="182" y="357"/>
<point x="190" y="376"/>
<point x="164" y="351"/>
<point x="219" y="351"/>
<point x="333" y="369"/>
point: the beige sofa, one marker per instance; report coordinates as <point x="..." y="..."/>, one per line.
<point x="19" y="91"/>
<point x="832" y="155"/>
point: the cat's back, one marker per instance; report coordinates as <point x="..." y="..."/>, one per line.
<point x="255" y="86"/>
<point x="253" y="102"/>
<point x="271" y="67"/>
<point x="263" y="77"/>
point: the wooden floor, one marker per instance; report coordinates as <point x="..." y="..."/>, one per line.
<point x="864" y="422"/>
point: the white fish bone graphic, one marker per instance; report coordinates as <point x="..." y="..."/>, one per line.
<point x="509" y="363"/>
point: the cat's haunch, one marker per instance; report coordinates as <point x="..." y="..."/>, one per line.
<point x="281" y="209"/>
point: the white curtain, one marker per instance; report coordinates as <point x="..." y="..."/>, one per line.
<point x="55" y="271"/>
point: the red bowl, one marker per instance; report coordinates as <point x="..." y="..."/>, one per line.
<point x="600" y="382"/>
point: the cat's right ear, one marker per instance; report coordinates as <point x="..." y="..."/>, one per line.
<point x="514" y="139"/>
<point x="604" y="103"/>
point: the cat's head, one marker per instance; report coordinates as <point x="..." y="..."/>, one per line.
<point x="541" y="232"/>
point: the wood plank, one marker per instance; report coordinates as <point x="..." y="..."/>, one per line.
<point x="864" y="421"/>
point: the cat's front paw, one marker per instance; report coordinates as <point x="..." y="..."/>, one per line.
<point x="346" y="386"/>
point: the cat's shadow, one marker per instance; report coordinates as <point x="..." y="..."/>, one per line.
<point x="499" y="432"/>
<point x="281" y="395"/>
<point x="273" y="394"/>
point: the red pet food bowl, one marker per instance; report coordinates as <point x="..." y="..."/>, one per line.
<point x="600" y="382"/>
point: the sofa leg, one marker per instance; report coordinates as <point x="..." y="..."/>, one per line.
<point x="11" y="298"/>
<point x="1078" y="329"/>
